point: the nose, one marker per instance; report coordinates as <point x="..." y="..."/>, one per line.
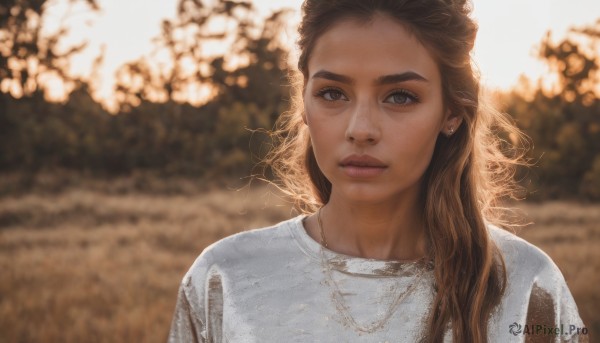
<point x="363" y="126"/>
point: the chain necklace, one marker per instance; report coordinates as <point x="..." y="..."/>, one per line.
<point x="338" y="298"/>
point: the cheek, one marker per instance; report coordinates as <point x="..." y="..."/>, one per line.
<point x="326" y="135"/>
<point x="414" y="140"/>
<point x="322" y="124"/>
<point x="413" y="149"/>
<point x="321" y="137"/>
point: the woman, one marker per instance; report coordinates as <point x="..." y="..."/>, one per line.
<point x="393" y="161"/>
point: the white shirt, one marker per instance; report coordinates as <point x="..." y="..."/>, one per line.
<point x="277" y="284"/>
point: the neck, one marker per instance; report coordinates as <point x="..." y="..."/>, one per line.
<point x="387" y="230"/>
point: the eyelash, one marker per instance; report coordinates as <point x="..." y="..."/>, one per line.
<point x="321" y="93"/>
<point x="403" y="92"/>
<point x="409" y="95"/>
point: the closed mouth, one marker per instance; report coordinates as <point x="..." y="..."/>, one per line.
<point x="362" y="161"/>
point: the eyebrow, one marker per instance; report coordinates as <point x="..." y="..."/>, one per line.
<point x="382" y="80"/>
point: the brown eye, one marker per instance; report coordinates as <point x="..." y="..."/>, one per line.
<point x="331" y="94"/>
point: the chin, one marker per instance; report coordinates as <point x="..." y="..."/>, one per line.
<point x="366" y="193"/>
<point x="376" y="192"/>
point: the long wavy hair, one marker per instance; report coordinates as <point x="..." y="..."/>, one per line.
<point x="470" y="171"/>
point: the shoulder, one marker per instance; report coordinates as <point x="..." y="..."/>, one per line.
<point x="536" y="291"/>
<point x="232" y="260"/>
<point x="522" y="256"/>
<point x="242" y="248"/>
<point x="243" y="253"/>
<point x="249" y="243"/>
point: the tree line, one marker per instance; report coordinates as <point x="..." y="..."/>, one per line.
<point x="563" y="121"/>
<point x="206" y="115"/>
<point x="158" y="126"/>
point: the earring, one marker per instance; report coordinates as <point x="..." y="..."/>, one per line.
<point x="450" y="131"/>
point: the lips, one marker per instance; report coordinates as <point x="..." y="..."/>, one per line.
<point x="362" y="161"/>
<point x="362" y="166"/>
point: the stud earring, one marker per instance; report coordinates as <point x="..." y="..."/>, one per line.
<point x="450" y="131"/>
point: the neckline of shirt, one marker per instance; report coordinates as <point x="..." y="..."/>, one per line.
<point x="352" y="265"/>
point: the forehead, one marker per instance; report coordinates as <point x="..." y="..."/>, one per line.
<point x="372" y="48"/>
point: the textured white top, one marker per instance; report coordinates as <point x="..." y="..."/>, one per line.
<point x="271" y="285"/>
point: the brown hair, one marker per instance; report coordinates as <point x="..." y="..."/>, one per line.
<point x="469" y="173"/>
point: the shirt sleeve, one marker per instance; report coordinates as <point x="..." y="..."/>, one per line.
<point x="199" y="309"/>
<point x="537" y="305"/>
<point x="187" y="325"/>
<point x="552" y="312"/>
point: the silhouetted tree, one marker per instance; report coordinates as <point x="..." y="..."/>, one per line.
<point x="564" y="123"/>
<point x="26" y="51"/>
<point x="245" y="84"/>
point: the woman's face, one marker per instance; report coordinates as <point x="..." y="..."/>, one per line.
<point x="374" y="108"/>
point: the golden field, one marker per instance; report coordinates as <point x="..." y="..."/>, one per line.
<point x="102" y="262"/>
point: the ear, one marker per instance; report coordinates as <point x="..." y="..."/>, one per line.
<point x="451" y="123"/>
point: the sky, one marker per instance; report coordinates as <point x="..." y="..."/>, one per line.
<point x="509" y="32"/>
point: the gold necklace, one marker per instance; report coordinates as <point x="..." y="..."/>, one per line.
<point x="338" y="298"/>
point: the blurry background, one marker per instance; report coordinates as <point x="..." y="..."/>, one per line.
<point x="129" y="132"/>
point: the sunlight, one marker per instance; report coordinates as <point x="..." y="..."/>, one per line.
<point x="506" y="47"/>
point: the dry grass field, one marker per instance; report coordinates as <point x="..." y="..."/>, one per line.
<point x="102" y="264"/>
